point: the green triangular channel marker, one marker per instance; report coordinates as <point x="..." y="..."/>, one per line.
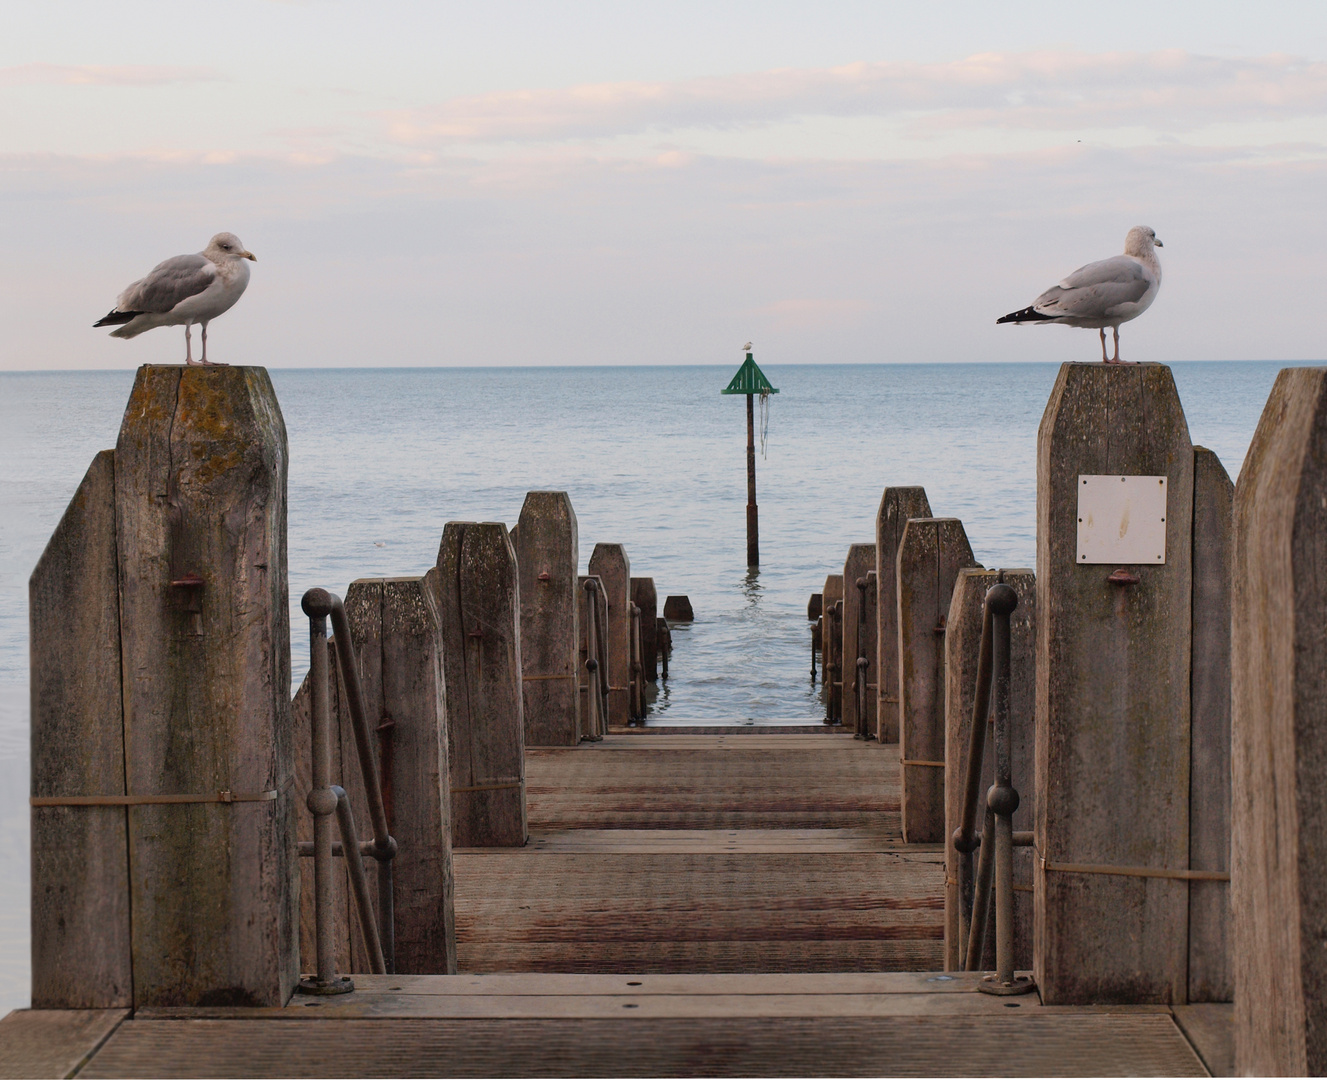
<point x="749" y="380"/>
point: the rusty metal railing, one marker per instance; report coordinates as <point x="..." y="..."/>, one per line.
<point x="861" y="663"/>
<point x="998" y="839"/>
<point x="326" y="799"/>
<point x="596" y="664"/>
<point x="637" y="680"/>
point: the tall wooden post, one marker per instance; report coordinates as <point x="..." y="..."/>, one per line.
<point x="750" y="380"/>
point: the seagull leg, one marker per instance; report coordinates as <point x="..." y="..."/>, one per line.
<point x="206" y="361"/>
<point x="189" y="348"/>
<point x="1103" y="346"/>
<point x="1116" y="358"/>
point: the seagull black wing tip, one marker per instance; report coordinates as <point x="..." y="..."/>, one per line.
<point x="117" y="318"/>
<point x="1028" y="314"/>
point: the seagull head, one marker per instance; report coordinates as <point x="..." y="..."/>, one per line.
<point x="1140" y="241"/>
<point x="226" y="245"/>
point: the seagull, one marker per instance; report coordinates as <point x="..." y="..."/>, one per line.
<point x="184" y="290"/>
<point x="1102" y="294"/>
<point x="746" y="347"/>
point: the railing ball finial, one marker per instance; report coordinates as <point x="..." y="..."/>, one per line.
<point x="1002" y="598"/>
<point x="1002" y="799"/>
<point x="317" y="603"/>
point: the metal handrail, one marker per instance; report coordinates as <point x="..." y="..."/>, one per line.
<point x="997" y="839"/>
<point x="326" y="799"/>
<point x="637" y="696"/>
<point x="860" y="677"/>
<point x="596" y="662"/>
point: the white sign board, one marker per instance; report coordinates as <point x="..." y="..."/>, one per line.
<point x="1122" y="519"/>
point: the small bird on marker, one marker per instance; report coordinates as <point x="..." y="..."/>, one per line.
<point x="184" y="290"/>
<point x="1104" y="293"/>
<point x="746" y="347"/>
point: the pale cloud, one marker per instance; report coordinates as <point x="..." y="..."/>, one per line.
<point x="1168" y="90"/>
<point x="104" y="75"/>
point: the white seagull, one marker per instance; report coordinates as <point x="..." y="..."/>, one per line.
<point x="746" y="347"/>
<point x="1102" y="294"/>
<point x="184" y="290"/>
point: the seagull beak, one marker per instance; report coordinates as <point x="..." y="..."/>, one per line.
<point x="249" y="255"/>
<point x="1157" y="242"/>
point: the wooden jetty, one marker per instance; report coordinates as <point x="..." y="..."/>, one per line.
<point x="686" y="905"/>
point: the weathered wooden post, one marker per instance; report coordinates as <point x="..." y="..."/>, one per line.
<point x="1279" y="724"/>
<point x="1114" y="594"/>
<point x="546" y="557"/>
<point x="831" y="646"/>
<point x="398" y="640"/>
<point x="646" y="597"/>
<point x="81" y="942"/>
<point x="750" y="380"/>
<point x="856" y="640"/>
<point x="593" y="646"/>
<point x="931" y="552"/>
<point x="1211" y="977"/>
<point x="610" y="564"/>
<point x="962" y="643"/>
<point x="897" y="505"/>
<point x="477" y="594"/>
<point x="199" y="824"/>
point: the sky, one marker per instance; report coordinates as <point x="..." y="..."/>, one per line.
<point x="618" y="183"/>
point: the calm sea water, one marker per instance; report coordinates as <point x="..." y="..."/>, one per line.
<point x="653" y="458"/>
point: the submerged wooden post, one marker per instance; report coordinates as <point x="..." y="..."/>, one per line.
<point x="646" y="597"/>
<point x="478" y="601"/>
<point x="1113" y="668"/>
<point x="831" y="648"/>
<point x="897" y="505"/>
<point x="1279" y="724"/>
<point x="610" y="564"/>
<point x="81" y="949"/>
<point x="1211" y="976"/>
<point x="200" y="493"/>
<point x="856" y="640"/>
<point x="962" y="644"/>
<point x="931" y="552"/>
<point x="546" y="556"/>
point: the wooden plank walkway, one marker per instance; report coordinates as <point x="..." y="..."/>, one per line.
<point x="690" y="905"/>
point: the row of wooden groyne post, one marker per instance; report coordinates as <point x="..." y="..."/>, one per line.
<point x="1165" y="710"/>
<point x="171" y="770"/>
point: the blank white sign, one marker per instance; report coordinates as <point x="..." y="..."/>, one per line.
<point x="1122" y="519"/>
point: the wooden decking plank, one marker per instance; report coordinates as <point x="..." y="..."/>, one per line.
<point x="744" y="841"/>
<point x="1210" y="1028"/>
<point x="1010" y="1042"/>
<point x="53" y="1042"/>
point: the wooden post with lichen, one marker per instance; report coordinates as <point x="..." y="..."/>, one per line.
<point x="546" y="559"/>
<point x="897" y="505"/>
<point x="478" y="602"/>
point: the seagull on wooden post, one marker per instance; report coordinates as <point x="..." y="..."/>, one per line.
<point x="1104" y="293"/>
<point x="184" y="290"/>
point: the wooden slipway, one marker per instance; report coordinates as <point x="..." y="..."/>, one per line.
<point x="687" y="905"/>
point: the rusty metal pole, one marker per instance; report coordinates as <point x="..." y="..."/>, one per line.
<point x="752" y="513"/>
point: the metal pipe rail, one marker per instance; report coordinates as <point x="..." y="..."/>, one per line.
<point x="997" y="840"/>
<point x="596" y="664"/>
<point x="637" y="695"/>
<point x="326" y="799"/>
<point x="862" y="663"/>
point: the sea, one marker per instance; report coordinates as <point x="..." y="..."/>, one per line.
<point x="653" y="458"/>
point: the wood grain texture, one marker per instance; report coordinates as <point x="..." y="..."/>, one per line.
<point x="1210" y="974"/>
<point x="200" y="488"/>
<point x="1113" y="665"/>
<point x="81" y="956"/>
<point x="1278" y="706"/>
<point x="931" y="552"/>
<point x="547" y="555"/>
<point x="646" y="597"/>
<point x="857" y="639"/>
<point x="610" y="564"/>
<point x="897" y="505"/>
<point x="831" y="644"/>
<point x="477" y="597"/>
<point x="55" y="1042"/>
<point x="962" y="645"/>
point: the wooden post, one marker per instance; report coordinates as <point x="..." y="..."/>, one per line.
<point x="1279" y="727"/>
<point x="646" y="597"/>
<point x="81" y="955"/>
<point x="860" y="560"/>
<point x="752" y="511"/>
<point x="1210" y="974"/>
<point x="1113" y="666"/>
<point x="610" y="564"/>
<point x="962" y="644"/>
<point x="594" y="723"/>
<point x="897" y="505"/>
<point x="200" y="492"/>
<point x="831" y="648"/>
<point x="546" y="556"/>
<point x="931" y="552"/>
<point x="477" y="595"/>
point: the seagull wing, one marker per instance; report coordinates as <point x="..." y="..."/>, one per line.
<point x="169" y="282"/>
<point x="1095" y="290"/>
